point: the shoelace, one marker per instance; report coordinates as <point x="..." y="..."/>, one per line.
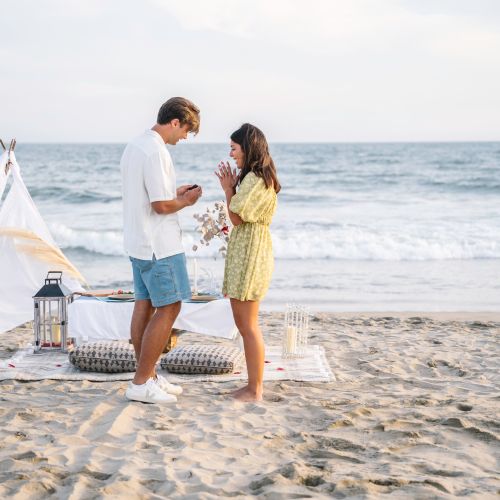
<point x="162" y="381"/>
<point x="150" y="392"/>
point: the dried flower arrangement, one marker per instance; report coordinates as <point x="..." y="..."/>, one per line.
<point x="213" y="223"/>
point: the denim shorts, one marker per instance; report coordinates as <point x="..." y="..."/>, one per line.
<point x="163" y="281"/>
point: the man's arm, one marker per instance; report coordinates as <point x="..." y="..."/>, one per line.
<point x="168" y="206"/>
<point x="171" y="206"/>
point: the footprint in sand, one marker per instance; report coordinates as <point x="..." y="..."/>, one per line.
<point x="273" y="398"/>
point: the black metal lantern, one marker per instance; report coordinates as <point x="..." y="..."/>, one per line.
<point x="51" y="314"/>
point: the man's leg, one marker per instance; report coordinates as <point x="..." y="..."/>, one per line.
<point x="143" y="311"/>
<point x="154" y="339"/>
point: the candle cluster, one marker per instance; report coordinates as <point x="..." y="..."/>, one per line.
<point x="295" y="335"/>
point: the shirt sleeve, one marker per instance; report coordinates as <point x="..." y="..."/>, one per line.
<point x="157" y="178"/>
<point x="250" y="202"/>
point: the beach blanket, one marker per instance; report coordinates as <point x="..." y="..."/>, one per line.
<point x="26" y="366"/>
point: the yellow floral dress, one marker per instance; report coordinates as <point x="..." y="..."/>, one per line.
<point x="249" y="259"/>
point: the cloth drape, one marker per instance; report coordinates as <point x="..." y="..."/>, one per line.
<point x="3" y="175"/>
<point x="21" y="274"/>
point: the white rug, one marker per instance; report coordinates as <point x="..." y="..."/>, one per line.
<point x="26" y="366"/>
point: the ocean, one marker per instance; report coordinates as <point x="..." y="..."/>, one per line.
<point x="359" y="227"/>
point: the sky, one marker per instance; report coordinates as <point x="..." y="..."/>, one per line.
<point x="315" y="71"/>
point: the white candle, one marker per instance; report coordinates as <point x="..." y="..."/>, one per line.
<point x="56" y="332"/>
<point x="195" y="284"/>
<point x="291" y="339"/>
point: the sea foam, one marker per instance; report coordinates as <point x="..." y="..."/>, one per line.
<point x="412" y="243"/>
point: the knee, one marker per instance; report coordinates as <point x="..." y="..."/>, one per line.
<point x="143" y="308"/>
<point x="240" y="323"/>
<point x="246" y="328"/>
<point x="170" y="310"/>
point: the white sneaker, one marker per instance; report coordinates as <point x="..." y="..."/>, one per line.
<point x="167" y="387"/>
<point x="150" y="392"/>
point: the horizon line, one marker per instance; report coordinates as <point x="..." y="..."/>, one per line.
<point x="467" y="141"/>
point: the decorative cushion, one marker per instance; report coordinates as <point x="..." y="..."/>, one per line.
<point x="209" y="359"/>
<point x="104" y="356"/>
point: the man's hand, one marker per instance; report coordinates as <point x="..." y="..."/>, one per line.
<point x="191" y="196"/>
<point x="182" y="189"/>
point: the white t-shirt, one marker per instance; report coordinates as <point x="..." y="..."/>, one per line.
<point x="148" y="175"/>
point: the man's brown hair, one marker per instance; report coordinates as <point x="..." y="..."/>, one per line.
<point x="183" y="109"/>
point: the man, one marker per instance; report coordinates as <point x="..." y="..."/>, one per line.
<point x="152" y="237"/>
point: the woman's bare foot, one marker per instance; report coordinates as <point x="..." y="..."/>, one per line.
<point x="238" y="391"/>
<point x="246" y="394"/>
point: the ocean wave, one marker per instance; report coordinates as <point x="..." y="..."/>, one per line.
<point x="72" y="196"/>
<point x="90" y="197"/>
<point x="356" y="243"/>
<point x="472" y="183"/>
<point x="335" y="242"/>
<point x="99" y="242"/>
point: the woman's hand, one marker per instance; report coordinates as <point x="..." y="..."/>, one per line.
<point x="227" y="178"/>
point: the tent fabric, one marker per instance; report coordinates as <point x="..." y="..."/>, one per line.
<point x="22" y="274"/>
<point x="3" y="175"/>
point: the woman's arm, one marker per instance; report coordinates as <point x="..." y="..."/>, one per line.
<point x="235" y="219"/>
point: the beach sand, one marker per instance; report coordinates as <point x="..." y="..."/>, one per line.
<point x="414" y="413"/>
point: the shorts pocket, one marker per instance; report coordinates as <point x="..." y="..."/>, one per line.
<point x="164" y="281"/>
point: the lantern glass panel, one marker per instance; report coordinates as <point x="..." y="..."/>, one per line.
<point x="50" y="322"/>
<point x="51" y="315"/>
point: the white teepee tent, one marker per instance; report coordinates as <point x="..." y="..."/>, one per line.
<point x="27" y="249"/>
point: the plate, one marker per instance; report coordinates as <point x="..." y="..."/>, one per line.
<point x="203" y="298"/>
<point x="121" y="296"/>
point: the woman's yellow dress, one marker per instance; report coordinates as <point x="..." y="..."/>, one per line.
<point x="249" y="259"/>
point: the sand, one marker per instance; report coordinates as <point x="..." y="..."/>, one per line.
<point x="414" y="413"/>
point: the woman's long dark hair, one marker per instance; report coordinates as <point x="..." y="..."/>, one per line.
<point x="257" y="158"/>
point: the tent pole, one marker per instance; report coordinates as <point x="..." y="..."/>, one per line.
<point x="11" y="148"/>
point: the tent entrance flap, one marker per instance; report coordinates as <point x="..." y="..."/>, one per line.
<point x="27" y="249"/>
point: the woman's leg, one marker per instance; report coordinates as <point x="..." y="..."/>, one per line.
<point x="246" y="317"/>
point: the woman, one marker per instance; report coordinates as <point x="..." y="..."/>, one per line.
<point x="249" y="260"/>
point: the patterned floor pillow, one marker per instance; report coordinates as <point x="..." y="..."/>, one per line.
<point x="104" y="356"/>
<point x="205" y="359"/>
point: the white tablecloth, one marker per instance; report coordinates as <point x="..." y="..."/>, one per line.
<point x="92" y="319"/>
